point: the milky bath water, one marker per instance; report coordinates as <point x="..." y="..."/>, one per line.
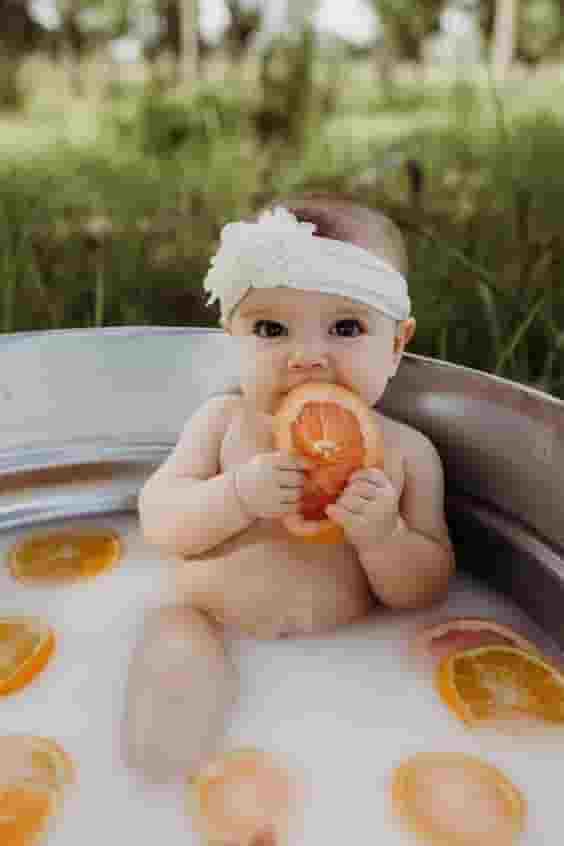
<point x="341" y="710"/>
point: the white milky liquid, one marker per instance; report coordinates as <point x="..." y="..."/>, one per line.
<point x="343" y="710"/>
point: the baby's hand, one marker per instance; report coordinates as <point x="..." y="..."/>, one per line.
<point x="367" y="509"/>
<point x="271" y="484"/>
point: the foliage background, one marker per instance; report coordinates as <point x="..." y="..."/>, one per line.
<point x="115" y="180"/>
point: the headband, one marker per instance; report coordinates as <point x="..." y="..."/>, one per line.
<point x="280" y="250"/>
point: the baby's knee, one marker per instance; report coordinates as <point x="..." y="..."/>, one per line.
<point x="179" y="633"/>
<point x="179" y="619"/>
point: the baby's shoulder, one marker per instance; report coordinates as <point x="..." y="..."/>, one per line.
<point x="408" y="444"/>
<point x="220" y="409"/>
<point x="210" y="420"/>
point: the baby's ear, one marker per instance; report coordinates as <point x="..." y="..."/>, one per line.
<point x="409" y="330"/>
<point x="404" y="335"/>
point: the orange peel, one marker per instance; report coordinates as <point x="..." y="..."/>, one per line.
<point x="26" y="645"/>
<point x="456" y="634"/>
<point x="35" y="760"/>
<point x="500" y="682"/>
<point x="26" y="812"/>
<point x="35" y="776"/>
<point x="63" y="556"/>
<point x="451" y="798"/>
<point x="244" y="798"/>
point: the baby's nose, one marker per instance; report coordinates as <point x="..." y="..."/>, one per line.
<point x="305" y="359"/>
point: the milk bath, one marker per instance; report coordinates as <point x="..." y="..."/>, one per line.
<point x="340" y="710"/>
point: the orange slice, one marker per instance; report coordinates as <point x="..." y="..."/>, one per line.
<point x="459" y="633"/>
<point x="244" y="799"/>
<point x="26" y="645"/>
<point x="336" y="430"/>
<point x="25" y="814"/>
<point x="63" y="556"/>
<point x="35" y="760"/>
<point x="451" y="799"/>
<point x="499" y="682"/>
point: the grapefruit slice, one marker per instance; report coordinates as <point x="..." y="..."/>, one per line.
<point x="26" y="645"/>
<point x="35" y="760"/>
<point x="25" y="813"/>
<point x="245" y="799"/>
<point x="451" y="798"/>
<point x="498" y="682"/>
<point x="63" y="556"/>
<point x="335" y="429"/>
<point x="460" y="633"/>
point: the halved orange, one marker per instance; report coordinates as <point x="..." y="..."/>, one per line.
<point x="39" y="761"/>
<point x="25" y="813"/>
<point x="244" y="798"/>
<point x="459" y="633"/>
<point x="26" y="645"/>
<point x="501" y="682"/>
<point x="59" y="557"/>
<point x="451" y="799"/>
<point x="337" y="430"/>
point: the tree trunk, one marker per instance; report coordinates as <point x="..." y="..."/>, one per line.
<point x="73" y="43"/>
<point x="504" y="37"/>
<point x="383" y="63"/>
<point x="189" y="28"/>
<point x="11" y="94"/>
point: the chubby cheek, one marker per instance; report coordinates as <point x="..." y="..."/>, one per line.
<point x="366" y="375"/>
<point x="263" y="375"/>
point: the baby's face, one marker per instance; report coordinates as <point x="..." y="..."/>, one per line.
<point x="286" y="337"/>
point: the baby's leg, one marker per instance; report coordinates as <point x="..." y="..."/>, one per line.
<point x="180" y="688"/>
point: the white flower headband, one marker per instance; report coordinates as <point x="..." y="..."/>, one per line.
<point x="280" y="250"/>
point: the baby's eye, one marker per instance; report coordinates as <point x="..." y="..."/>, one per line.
<point x="348" y="328"/>
<point x="269" y="329"/>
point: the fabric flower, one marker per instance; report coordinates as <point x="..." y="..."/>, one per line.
<point x="254" y="253"/>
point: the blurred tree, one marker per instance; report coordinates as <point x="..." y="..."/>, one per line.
<point x="405" y="26"/>
<point x="287" y="81"/>
<point x="20" y="34"/>
<point x="503" y="37"/>
<point x="243" y="26"/>
<point x="539" y="28"/>
<point x="86" y="25"/>
<point x="178" y="37"/>
<point x="189" y="29"/>
<point x="73" y="42"/>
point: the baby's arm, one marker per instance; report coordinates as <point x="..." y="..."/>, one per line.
<point x="413" y="566"/>
<point x="186" y="506"/>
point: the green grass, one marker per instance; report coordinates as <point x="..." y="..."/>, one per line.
<point x="109" y="214"/>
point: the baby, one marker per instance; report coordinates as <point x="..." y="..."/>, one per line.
<point x="313" y="291"/>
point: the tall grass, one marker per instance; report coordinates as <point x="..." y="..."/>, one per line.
<point x="119" y="229"/>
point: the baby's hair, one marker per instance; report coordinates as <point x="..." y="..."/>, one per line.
<point x="341" y="218"/>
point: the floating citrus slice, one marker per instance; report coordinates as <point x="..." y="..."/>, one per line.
<point x="457" y="634"/>
<point x="63" y="556"/>
<point x="26" y="645"/>
<point x="35" y="760"/>
<point x="451" y="798"/>
<point x="25" y="813"/>
<point x="499" y="682"/>
<point x="244" y="799"/>
<point x="336" y="430"/>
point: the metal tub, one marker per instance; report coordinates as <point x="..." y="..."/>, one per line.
<point x="86" y="415"/>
